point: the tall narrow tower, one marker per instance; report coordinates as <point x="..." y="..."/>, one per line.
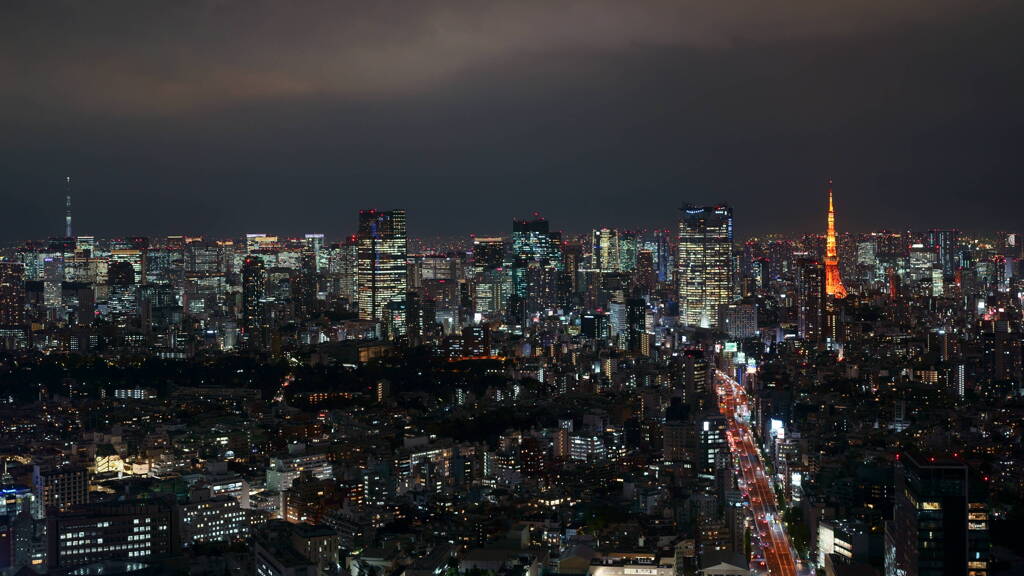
<point x="833" y="283"/>
<point x="67" y="210"/>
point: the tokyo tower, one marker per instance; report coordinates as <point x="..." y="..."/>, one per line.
<point x="833" y="283"/>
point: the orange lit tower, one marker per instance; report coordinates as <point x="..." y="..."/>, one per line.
<point x="833" y="283"/>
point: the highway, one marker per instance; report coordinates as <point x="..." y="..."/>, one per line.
<point x="779" y="558"/>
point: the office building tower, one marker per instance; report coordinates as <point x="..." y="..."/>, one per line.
<point x="488" y="254"/>
<point x="254" y="287"/>
<point x="738" y="320"/>
<point x="315" y="244"/>
<point x="605" y="256"/>
<point x="534" y="240"/>
<point x="638" y="341"/>
<point x="122" y="301"/>
<point x="663" y="255"/>
<point x="712" y="445"/>
<point x="12" y="294"/>
<point x="704" y="264"/>
<point x="946" y="244"/>
<point x="646" y="276"/>
<point x="305" y="286"/>
<point x="382" y="269"/>
<point x="940" y="519"/>
<point x="629" y="245"/>
<point x="139" y="530"/>
<point x="760" y="271"/>
<point x="536" y="266"/>
<point x="695" y="378"/>
<point x="133" y="257"/>
<point x="810" y="300"/>
<point x="343" y="267"/>
<point x="677" y="432"/>
<point x="594" y="326"/>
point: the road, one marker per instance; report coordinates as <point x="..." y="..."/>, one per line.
<point x="778" y="554"/>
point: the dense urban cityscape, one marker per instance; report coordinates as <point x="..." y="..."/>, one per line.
<point x="621" y="402"/>
<point x="511" y="288"/>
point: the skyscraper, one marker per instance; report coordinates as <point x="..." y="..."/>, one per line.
<point x="536" y="263"/>
<point x="315" y="244"/>
<point x="488" y="254"/>
<point x="940" y="519"/>
<point x="833" y="283"/>
<point x="605" y="255"/>
<point x="704" y="263"/>
<point x="947" y="244"/>
<point x="12" y="294"/>
<point x="637" y="339"/>
<point x="305" y="285"/>
<point x="254" y="286"/>
<point x="382" y="270"/>
<point x="810" y="300"/>
<point x="534" y="240"/>
<point x="629" y="244"/>
<point x="663" y="254"/>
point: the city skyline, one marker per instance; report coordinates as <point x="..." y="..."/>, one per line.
<point x="511" y="288"/>
<point x="341" y="233"/>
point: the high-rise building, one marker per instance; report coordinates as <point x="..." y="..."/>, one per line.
<point x="663" y="254"/>
<point x="646" y="277"/>
<point x="382" y="269"/>
<point x="315" y="244"/>
<point x="12" y="294"/>
<point x="254" y="287"/>
<point x="940" y="519"/>
<point x="488" y="254"/>
<point x="134" y="257"/>
<point x="677" y="432"/>
<point x="305" y="286"/>
<point x="605" y="256"/>
<point x="704" y="265"/>
<point x="810" y="300"/>
<point x="833" y="282"/>
<point x="536" y="265"/>
<point x="712" y="445"/>
<point x="534" y="240"/>
<point x="629" y="245"/>
<point x="637" y="338"/>
<point x="694" y="378"/>
<point x="947" y="244"/>
<point x="738" y="320"/>
<point x="343" y="266"/>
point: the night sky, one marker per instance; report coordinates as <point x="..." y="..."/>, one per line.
<point x="222" y="118"/>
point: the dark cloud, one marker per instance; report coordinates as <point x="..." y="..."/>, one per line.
<point x="221" y="118"/>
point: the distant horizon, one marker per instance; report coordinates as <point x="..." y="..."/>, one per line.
<point x="506" y="235"/>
